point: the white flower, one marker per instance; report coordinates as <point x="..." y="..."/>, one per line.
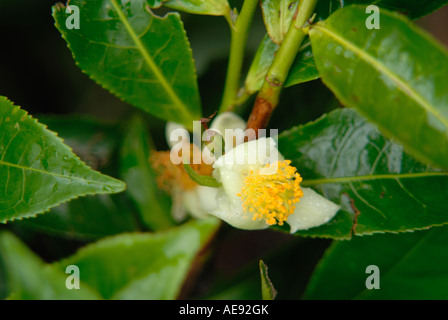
<point x="260" y="188"/>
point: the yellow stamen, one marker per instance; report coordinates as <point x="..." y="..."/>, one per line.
<point x="272" y="197"/>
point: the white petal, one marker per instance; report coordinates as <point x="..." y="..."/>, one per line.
<point x="178" y="210"/>
<point x="311" y="211"/>
<point x="207" y="198"/>
<point x="250" y="155"/>
<point x="192" y="204"/>
<point x="200" y="201"/>
<point x="231" y="211"/>
<point x="228" y="120"/>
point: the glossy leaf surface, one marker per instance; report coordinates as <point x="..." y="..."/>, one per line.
<point x="143" y="266"/>
<point x="143" y="59"/>
<point x="209" y="7"/>
<point x="277" y="15"/>
<point x="380" y="188"/>
<point x="96" y="143"/>
<point x="302" y="70"/>
<point x="37" y="170"/>
<point x="412" y="8"/>
<point x="386" y="76"/>
<point x="31" y="279"/>
<point x="268" y="291"/>
<point x="410" y="266"/>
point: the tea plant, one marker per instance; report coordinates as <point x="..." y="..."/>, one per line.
<point x="372" y="157"/>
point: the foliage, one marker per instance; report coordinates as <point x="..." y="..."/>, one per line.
<point x="382" y="156"/>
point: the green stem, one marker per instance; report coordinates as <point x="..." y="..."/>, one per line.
<point x="268" y="96"/>
<point x="287" y="52"/>
<point x="239" y="33"/>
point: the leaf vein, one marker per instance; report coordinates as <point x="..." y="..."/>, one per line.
<point x="8" y="164"/>
<point x="149" y="60"/>
<point x="376" y="64"/>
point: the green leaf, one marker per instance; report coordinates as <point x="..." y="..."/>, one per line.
<point x="153" y="205"/>
<point x="268" y="291"/>
<point x="143" y="59"/>
<point x="303" y="103"/>
<point x="31" y="279"/>
<point x="302" y="70"/>
<point x="209" y="7"/>
<point x="411" y="266"/>
<point x="277" y="16"/>
<point x="386" y="76"/>
<point x="412" y="8"/>
<point x="93" y="140"/>
<point x="155" y="3"/>
<point x="143" y="266"/>
<point x="96" y="143"/>
<point x="201" y="180"/>
<point x="260" y="65"/>
<point x="37" y="170"/>
<point x="380" y="188"/>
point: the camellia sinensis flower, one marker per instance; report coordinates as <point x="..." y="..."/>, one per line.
<point x="260" y="188"/>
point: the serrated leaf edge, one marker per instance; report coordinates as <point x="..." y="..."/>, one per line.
<point x="120" y="184"/>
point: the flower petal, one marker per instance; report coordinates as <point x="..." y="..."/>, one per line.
<point x="192" y="204"/>
<point x="207" y="198"/>
<point x="311" y="211"/>
<point x="231" y="211"/>
<point x="228" y="120"/>
<point x="250" y="155"/>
